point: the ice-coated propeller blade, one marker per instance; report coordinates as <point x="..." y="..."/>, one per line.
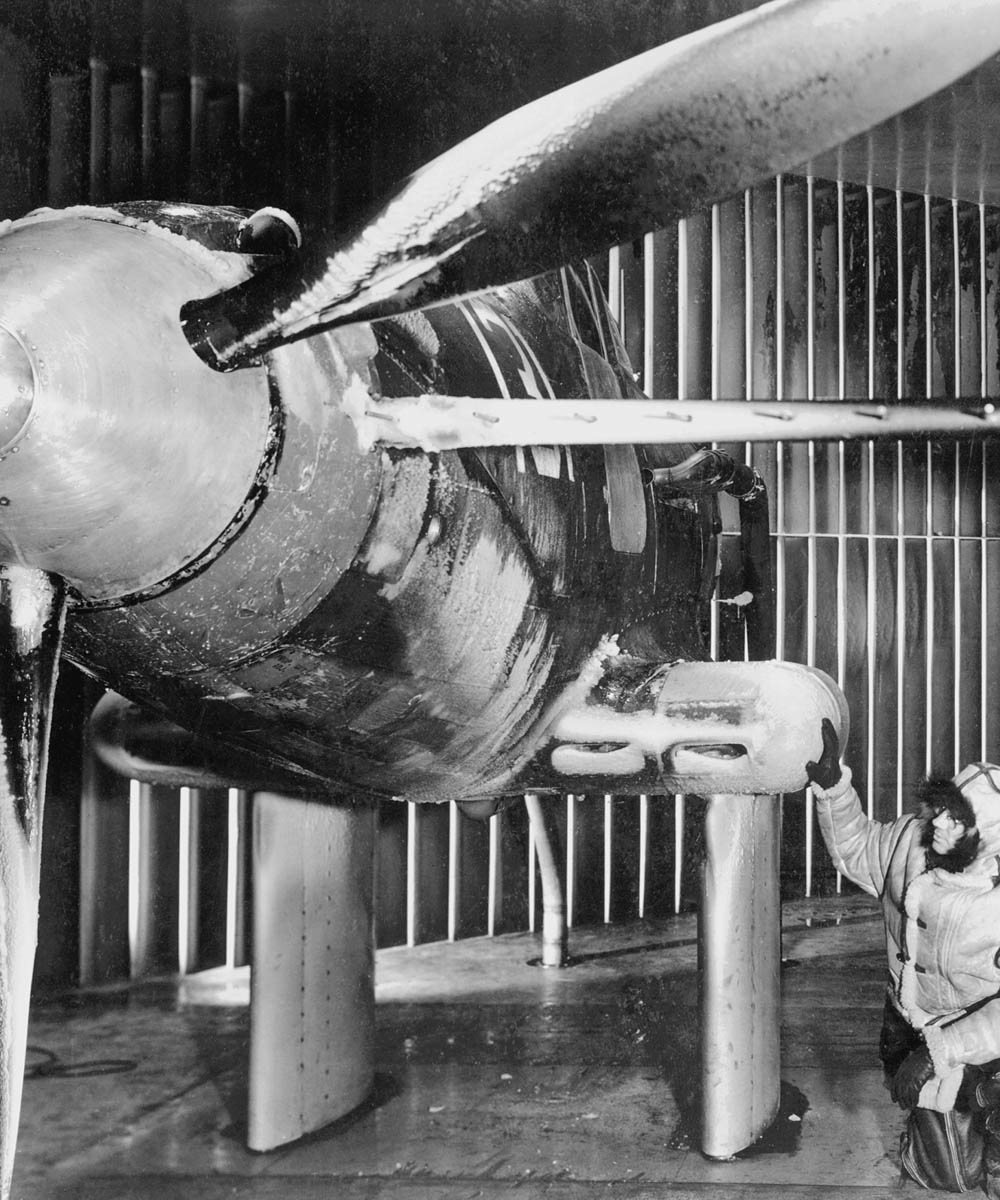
<point x="32" y="611"/>
<point x="613" y="156"/>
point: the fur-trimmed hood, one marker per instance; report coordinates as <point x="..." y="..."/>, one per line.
<point x="979" y="783"/>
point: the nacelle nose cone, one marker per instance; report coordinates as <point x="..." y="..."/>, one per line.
<point x="17" y="389"/>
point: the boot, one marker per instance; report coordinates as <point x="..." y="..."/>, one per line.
<point x="991" y="1155"/>
<point x="980" y="1090"/>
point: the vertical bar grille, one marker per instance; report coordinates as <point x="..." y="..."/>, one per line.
<point x="234" y="839"/>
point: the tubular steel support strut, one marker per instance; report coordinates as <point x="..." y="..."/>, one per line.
<point x="555" y="952"/>
<point x="739" y="929"/>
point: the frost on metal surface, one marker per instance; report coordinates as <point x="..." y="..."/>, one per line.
<point x="434" y="423"/>
<point x="225" y="268"/>
<point x="697" y="728"/>
<point x="32" y="609"/>
<point x="30" y="605"/>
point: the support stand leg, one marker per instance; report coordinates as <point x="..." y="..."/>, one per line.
<point x="740" y="935"/>
<point x="555" y="935"/>
<point x="32" y="610"/>
<point x="312" y="998"/>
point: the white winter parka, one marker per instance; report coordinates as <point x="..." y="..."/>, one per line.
<point x="942" y="928"/>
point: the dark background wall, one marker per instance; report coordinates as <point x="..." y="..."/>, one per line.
<point x="376" y="87"/>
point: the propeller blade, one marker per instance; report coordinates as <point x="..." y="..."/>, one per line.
<point x="433" y="423"/>
<point x="32" y="613"/>
<point x="611" y="157"/>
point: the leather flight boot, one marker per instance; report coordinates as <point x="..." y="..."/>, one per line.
<point x="991" y="1155"/>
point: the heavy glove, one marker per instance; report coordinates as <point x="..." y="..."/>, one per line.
<point x="913" y="1073"/>
<point x="826" y="772"/>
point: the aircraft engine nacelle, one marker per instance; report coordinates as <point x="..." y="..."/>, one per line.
<point x="390" y="622"/>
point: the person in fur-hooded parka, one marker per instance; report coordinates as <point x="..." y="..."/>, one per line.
<point x="937" y="874"/>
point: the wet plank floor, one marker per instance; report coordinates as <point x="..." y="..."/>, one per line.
<point x="495" y="1078"/>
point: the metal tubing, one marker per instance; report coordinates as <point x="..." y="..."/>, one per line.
<point x="554" y="931"/>
<point x="146" y="746"/>
<point x="435" y="423"/>
<point x="740" y="938"/>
